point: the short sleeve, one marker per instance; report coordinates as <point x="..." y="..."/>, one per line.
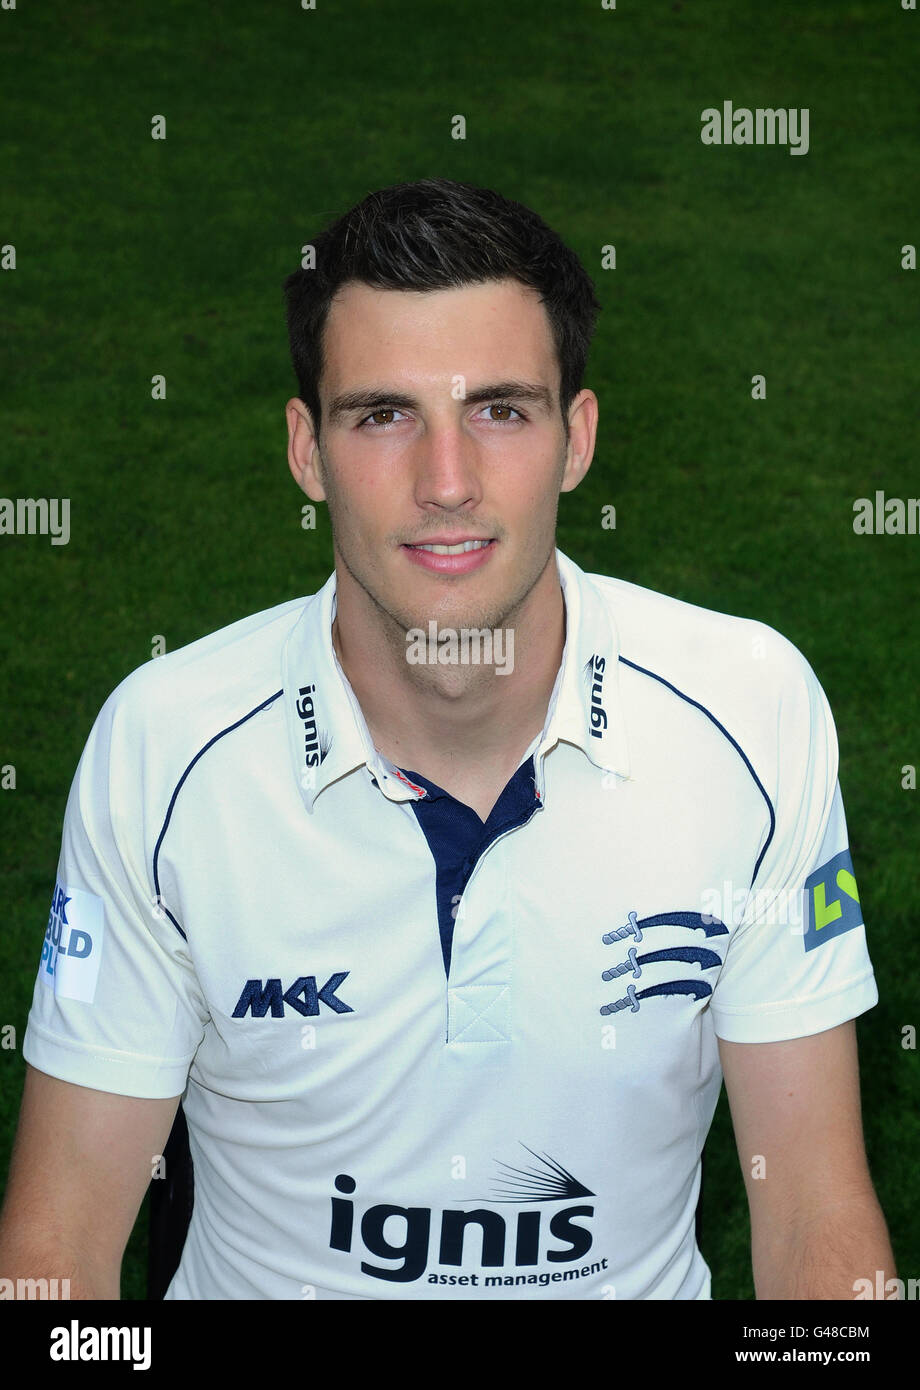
<point x="797" y="963"/>
<point x="117" y="1005"/>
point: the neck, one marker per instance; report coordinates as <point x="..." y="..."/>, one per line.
<point x="466" y="716"/>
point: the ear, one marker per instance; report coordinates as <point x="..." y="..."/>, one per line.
<point x="303" y="450"/>
<point x="583" y="413"/>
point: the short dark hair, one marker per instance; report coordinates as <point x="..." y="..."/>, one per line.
<point x="437" y="234"/>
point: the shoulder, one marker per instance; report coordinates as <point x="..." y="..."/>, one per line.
<point x="742" y="672"/>
<point x="682" y="640"/>
<point x="167" y="710"/>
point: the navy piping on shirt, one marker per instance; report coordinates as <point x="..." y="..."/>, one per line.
<point x="733" y="742"/>
<point x="455" y="834"/>
<point x="172" y="801"/>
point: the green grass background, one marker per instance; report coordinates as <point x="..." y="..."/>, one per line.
<point x="137" y="257"/>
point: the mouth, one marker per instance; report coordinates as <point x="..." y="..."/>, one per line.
<point x="458" y="558"/>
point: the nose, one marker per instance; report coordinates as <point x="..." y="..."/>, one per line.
<point x="447" y="470"/>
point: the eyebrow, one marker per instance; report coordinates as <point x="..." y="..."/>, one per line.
<point x="375" y="398"/>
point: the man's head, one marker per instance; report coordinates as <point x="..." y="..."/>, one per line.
<point x="431" y="305"/>
<point x="436" y="234"/>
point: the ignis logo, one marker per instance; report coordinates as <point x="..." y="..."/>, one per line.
<point x="404" y="1236"/>
<point x="594" y="676"/>
<point x="73" y="944"/>
<point x="316" y="745"/>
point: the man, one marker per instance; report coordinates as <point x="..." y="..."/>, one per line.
<point x="444" y="897"/>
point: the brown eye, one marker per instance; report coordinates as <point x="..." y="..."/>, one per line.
<point x="375" y="413"/>
<point x="509" y="418"/>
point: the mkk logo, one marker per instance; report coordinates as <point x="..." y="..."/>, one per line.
<point x="302" y="996"/>
<point x="831" y="901"/>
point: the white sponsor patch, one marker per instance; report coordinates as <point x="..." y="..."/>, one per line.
<point x="72" y="948"/>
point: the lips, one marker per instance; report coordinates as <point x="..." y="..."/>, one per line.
<point x="456" y="562"/>
<point x="459" y="547"/>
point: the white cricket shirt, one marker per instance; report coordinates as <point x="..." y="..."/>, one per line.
<point x="422" y="1057"/>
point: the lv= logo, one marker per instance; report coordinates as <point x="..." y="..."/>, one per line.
<point x="831" y="901"/>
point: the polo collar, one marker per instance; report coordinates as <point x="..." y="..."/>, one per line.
<point x="328" y="735"/>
